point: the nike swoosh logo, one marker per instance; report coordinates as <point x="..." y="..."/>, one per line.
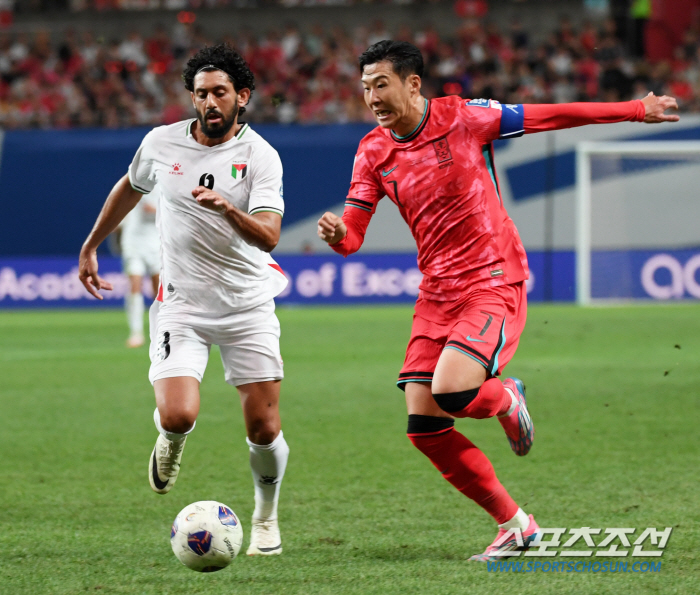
<point x="386" y="173"/>
<point x="470" y="338"/>
<point x="156" y="480"/>
<point x="270" y="549"/>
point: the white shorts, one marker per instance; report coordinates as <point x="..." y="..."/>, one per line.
<point x="141" y="264"/>
<point x="248" y="341"/>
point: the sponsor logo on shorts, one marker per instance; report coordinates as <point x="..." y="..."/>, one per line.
<point x="470" y="338"/>
<point x="171" y="289"/>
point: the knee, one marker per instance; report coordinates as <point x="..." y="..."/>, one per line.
<point x="263" y="432"/>
<point x="458" y="375"/>
<point x="455" y="403"/>
<point x="179" y="420"/>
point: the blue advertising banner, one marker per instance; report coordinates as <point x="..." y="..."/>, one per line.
<point x="53" y="282"/>
<point x="360" y="279"/>
<point x="79" y="167"/>
<point x="373" y="279"/>
<point x="656" y="274"/>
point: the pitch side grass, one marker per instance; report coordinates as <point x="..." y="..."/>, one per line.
<point x="613" y="392"/>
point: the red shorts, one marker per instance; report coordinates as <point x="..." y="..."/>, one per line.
<point x="484" y="324"/>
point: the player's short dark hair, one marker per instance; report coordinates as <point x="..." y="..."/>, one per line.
<point x="220" y="57"/>
<point x="405" y="57"/>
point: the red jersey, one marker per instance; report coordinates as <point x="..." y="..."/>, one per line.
<point x="443" y="180"/>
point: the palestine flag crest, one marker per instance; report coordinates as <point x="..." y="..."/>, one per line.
<point x="239" y="170"/>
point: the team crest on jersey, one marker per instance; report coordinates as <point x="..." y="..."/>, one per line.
<point x="239" y="170"/>
<point x="442" y="150"/>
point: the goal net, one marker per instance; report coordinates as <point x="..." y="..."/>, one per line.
<point x="637" y="220"/>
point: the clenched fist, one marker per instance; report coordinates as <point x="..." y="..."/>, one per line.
<point x="331" y="228"/>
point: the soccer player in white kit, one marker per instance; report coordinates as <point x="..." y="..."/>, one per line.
<point x="219" y="215"/>
<point x="140" y="249"/>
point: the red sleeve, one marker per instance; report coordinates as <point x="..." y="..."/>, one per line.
<point x="356" y="221"/>
<point x="483" y="117"/>
<point x="543" y="117"/>
<point x="365" y="193"/>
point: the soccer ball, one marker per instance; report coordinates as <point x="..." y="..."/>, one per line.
<point x="206" y="536"/>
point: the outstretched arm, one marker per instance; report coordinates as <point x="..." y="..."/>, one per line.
<point x="651" y="109"/>
<point x="120" y="201"/>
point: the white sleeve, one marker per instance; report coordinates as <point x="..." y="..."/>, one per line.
<point x="266" y="192"/>
<point x="141" y="171"/>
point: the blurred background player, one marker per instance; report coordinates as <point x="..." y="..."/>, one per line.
<point x="219" y="215"/>
<point x="434" y="160"/>
<point x="140" y="249"/>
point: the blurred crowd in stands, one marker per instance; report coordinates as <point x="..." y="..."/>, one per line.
<point x="25" y="6"/>
<point x="312" y="76"/>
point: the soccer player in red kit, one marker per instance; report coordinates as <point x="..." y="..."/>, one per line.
<point x="434" y="160"/>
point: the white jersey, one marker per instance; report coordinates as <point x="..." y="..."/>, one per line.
<point x="139" y="233"/>
<point x="207" y="267"/>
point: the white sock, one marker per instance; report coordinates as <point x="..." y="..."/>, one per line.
<point x="172" y="436"/>
<point x="134" y="313"/>
<point x="268" y="462"/>
<point x="519" y="521"/>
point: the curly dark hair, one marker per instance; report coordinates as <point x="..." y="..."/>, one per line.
<point x="405" y="57"/>
<point x="220" y="57"/>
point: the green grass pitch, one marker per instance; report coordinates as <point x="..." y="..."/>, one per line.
<point x="613" y="393"/>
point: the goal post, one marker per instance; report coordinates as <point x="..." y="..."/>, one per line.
<point x="585" y="151"/>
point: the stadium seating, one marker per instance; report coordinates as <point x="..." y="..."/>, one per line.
<point x="309" y="75"/>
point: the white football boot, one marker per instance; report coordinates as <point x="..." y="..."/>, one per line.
<point x="165" y="464"/>
<point x="265" y="538"/>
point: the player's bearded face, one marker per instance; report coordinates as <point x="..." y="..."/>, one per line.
<point x="214" y="122"/>
<point x="216" y="102"/>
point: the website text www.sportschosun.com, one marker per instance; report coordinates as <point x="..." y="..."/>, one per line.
<point x="572" y="566"/>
